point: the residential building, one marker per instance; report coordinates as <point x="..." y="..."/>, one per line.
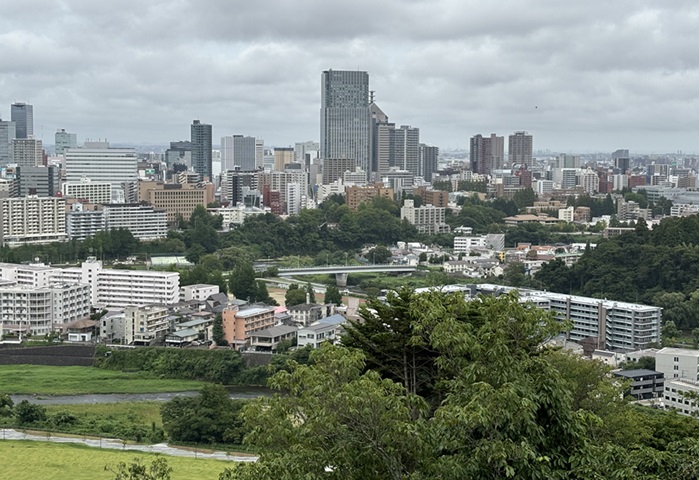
<point x="426" y="219"/>
<point x="334" y="168"/>
<point x="64" y="140"/>
<point x="8" y="132"/>
<point x="202" y="150"/>
<point x="305" y="151"/>
<point x="345" y="116"/>
<point x="83" y="221"/>
<point x="294" y="200"/>
<point x="589" y="181"/>
<point x="23" y="116"/>
<point x="487" y="153"/>
<point x="144" y="221"/>
<point x="283" y="156"/>
<point x="520" y="149"/>
<point x="382" y="142"/>
<point x="116" y="166"/>
<point x="681" y="363"/>
<point x="33" y="275"/>
<point x="42" y="310"/>
<point x="145" y="325"/>
<point x="307" y="313"/>
<point x="621" y="160"/>
<point x="276" y="181"/>
<point x="429" y="156"/>
<point x="27" y="152"/>
<point x="123" y="288"/>
<point x="328" y="329"/>
<point x="237" y="185"/>
<point x="199" y="291"/>
<point x="240" y="323"/>
<point x="494" y="241"/>
<point x="33" y="220"/>
<point x="268" y="340"/>
<point x="233" y="216"/>
<point x="42" y="181"/>
<point x="617" y="326"/>
<point x="356" y="195"/>
<point x="177" y="200"/>
<point x="238" y="151"/>
<point x="437" y="198"/>
<point x="566" y="214"/>
<point x="568" y="161"/>
<point x="88" y="191"/>
<point x="406" y="149"/>
<point x="680" y="395"/>
<point x="645" y="384"/>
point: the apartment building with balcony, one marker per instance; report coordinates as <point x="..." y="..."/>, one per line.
<point x="240" y="323"/>
<point x="145" y="325"/>
<point x="33" y="220"/>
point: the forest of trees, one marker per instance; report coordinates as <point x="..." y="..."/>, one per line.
<point x="434" y="386"/>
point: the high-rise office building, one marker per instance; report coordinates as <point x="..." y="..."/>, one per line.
<point x="622" y="161"/>
<point x="334" y="168"/>
<point x="345" y="116"/>
<point x="27" y="152"/>
<point x="238" y="151"/>
<point x="259" y="153"/>
<point x="65" y="140"/>
<point x="282" y="157"/>
<point x="520" y="149"/>
<point x="568" y="161"/>
<point x="179" y="152"/>
<point x="40" y="181"/>
<point x="23" y="116"/>
<point x="202" y="156"/>
<point x="301" y="149"/>
<point x="8" y="132"/>
<point x="118" y="166"/>
<point x="379" y="130"/>
<point x="487" y="153"/>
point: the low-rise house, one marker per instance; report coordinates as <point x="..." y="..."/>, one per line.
<point x="80" y="330"/>
<point x="308" y="313"/>
<point x="645" y="384"/>
<point x="328" y="329"/>
<point x="268" y="340"/>
<point x="182" y="337"/>
<point x="199" y="291"/>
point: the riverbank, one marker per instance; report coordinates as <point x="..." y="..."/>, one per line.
<point x="45" y="380"/>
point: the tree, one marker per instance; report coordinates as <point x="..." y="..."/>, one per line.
<point x="242" y="282"/>
<point x="137" y="470"/>
<point x="294" y="295"/>
<point x="6" y="405"/>
<point x="27" y="413"/>
<point x="514" y="274"/>
<point x="332" y="295"/>
<point x="524" y="197"/>
<point x="217" y="331"/>
<point x="669" y="332"/>
<point x="379" y="255"/>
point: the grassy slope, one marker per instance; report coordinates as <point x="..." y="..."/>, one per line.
<point x="45" y="380"/>
<point x="142" y="413"/>
<point x="50" y="461"/>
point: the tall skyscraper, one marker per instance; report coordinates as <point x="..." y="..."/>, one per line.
<point x="428" y="161"/>
<point x="622" y="160"/>
<point x="8" y="132"/>
<point x="259" y="153"/>
<point x="65" y="140"/>
<point x="520" y="149"/>
<point x="487" y="153"/>
<point x="406" y="149"/>
<point x="23" y="116"/>
<point x="202" y="156"/>
<point x="238" y="151"/>
<point x="345" y="116"/>
<point x="118" y="166"/>
<point x="379" y="129"/>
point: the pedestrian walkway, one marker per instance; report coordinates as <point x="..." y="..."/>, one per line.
<point x="116" y="444"/>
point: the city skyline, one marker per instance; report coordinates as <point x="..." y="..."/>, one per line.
<point x="575" y="80"/>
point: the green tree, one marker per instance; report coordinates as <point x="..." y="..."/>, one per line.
<point x="242" y="282"/>
<point x="28" y="413"/>
<point x="514" y="274"/>
<point x="137" y="470"/>
<point x="332" y="295"/>
<point x="524" y="197"/>
<point x="6" y="405"/>
<point x="294" y="295"/>
<point x="217" y="331"/>
<point x="379" y="255"/>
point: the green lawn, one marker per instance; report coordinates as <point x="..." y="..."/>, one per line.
<point x="143" y="413"/>
<point x="45" y="380"/>
<point x="50" y="461"/>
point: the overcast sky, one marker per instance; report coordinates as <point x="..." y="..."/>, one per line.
<point x="580" y="76"/>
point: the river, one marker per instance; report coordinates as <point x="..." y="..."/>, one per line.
<point x="238" y="393"/>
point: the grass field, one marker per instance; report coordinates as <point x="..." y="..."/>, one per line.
<point x="49" y="461"/>
<point x="45" y="380"/>
<point x="143" y="413"/>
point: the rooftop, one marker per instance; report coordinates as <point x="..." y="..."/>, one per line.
<point x="277" y="331"/>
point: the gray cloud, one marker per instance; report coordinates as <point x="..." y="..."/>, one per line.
<point x="580" y="76"/>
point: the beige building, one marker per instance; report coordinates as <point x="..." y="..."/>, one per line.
<point x="145" y="325"/>
<point x="240" y="324"/>
<point x="33" y="220"/>
<point x="356" y="195"/>
<point x="283" y="156"/>
<point x="427" y="218"/>
<point x="92" y="192"/>
<point x="178" y="200"/>
<point x="27" y="152"/>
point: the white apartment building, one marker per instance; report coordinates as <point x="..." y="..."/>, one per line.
<point x="544" y="187"/>
<point x="123" y="288"/>
<point x="34" y="275"/>
<point x="89" y="191"/>
<point x="277" y="182"/>
<point x="589" y="180"/>
<point x="236" y="215"/>
<point x="619" y="326"/>
<point x="325" y="330"/>
<point x="293" y="198"/>
<point x="144" y="221"/>
<point x="464" y="244"/>
<point x="145" y="324"/>
<point x="200" y="292"/>
<point x="566" y="214"/>
<point x="27" y="152"/>
<point x="680" y="363"/>
<point x="427" y="218"/>
<point x="675" y="395"/>
<point x="38" y="311"/>
<point x="33" y="220"/>
<point x="82" y="223"/>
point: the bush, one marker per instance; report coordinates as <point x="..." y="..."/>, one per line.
<point x="27" y="413"/>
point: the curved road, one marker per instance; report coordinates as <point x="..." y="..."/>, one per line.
<point x="115" y="444"/>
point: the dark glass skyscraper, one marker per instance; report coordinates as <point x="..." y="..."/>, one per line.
<point x="201" y="149"/>
<point x="345" y="117"/>
<point x="23" y="116"/>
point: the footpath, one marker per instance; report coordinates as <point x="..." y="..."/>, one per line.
<point x="116" y="444"/>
